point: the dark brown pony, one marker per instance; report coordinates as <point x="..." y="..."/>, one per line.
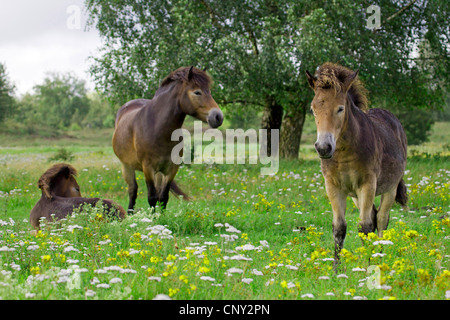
<point x="142" y="137"/>
<point x="61" y="195"/>
<point x="362" y="151"/>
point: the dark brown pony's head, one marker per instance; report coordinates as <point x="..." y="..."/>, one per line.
<point x="59" y="180"/>
<point x="195" y="95"/>
<point x="332" y="85"/>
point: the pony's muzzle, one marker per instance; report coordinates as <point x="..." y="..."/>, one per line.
<point x="325" y="146"/>
<point x="215" y="118"/>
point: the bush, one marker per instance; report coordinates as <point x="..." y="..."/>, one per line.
<point x="62" y="155"/>
<point x="417" y="124"/>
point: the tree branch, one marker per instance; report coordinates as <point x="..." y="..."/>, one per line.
<point x="252" y="38"/>
<point x="400" y="11"/>
<point x="212" y="15"/>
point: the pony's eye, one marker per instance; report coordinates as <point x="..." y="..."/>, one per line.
<point x="198" y="93"/>
<point x="340" y="109"/>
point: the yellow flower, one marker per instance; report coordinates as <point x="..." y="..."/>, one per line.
<point x="123" y="253"/>
<point x="173" y="292"/>
<point x="144" y="253"/>
<point x="155" y="259"/>
<point x="203" y="269"/>
<point x="442" y="281"/>
<point x="183" y="278"/>
<point x="424" y="276"/>
<point x="410" y="234"/>
<point x="435" y="252"/>
<point x="244" y="236"/>
<point x="170" y="257"/>
<point x="136" y="235"/>
<point x="192" y="288"/>
<point x="372" y="236"/>
<point x="35" y="270"/>
<point x="284" y="284"/>
<point x="46" y="258"/>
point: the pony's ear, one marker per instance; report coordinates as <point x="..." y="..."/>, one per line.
<point x="65" y="172"/>
<point x="311" y="79"/>
<point x="190" y="73"/>
<point x="43" y="184"/>
<point x="350" y="79"/>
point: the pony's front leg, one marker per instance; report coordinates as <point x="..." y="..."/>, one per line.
<point x="338" y="205"/>
<point x="367" y="211"/>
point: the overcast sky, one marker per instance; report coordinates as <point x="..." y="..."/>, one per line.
<point x="39" y="36"/>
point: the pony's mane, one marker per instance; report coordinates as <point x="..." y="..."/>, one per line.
<point x="46" y="181"/>
<point x="198" y="77"/>
<point x="334" y="76"/>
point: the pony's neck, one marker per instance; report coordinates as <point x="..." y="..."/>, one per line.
<point x="167" y="110"/>
<point x="350" y="134"/>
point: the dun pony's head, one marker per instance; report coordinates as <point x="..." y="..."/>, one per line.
<point x="195" y="95"/>
<point x="332" y="85"/>
<point x="59" y="180"/>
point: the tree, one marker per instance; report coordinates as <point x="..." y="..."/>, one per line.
<point x="61" y="100"/>
<point x="7" y="101"/>
<point x="258" y="50"/>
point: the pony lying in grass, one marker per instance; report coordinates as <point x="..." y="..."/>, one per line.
<point x="61" y="195"/>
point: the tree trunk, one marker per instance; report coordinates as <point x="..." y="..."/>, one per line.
<point x="291" y="132"/>
<point x="271" y="119"/>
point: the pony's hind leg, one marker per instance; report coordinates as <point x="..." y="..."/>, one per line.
<point x="130" y="178"/>
<point x="164" y="198"/>
<point x="387" y="200"/>
<point x="152" y="196"/>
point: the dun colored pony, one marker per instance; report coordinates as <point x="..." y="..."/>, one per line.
<point x="363" y="152"/>
<point x="142" y="137"/>
<point x="61" y="195"/>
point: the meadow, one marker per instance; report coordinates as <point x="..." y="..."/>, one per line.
<point x="242" y="236"/>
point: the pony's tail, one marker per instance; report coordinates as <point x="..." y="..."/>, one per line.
<point x="177" y="190"/>
<point x="402" y="195"/>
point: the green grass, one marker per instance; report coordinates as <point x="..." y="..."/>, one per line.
<point x="274" y="231"/>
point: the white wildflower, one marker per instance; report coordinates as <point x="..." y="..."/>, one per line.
<point x="385" y="242"/>
<point x="359" y="270"/>
<point x="207" y="278"/>
<point x="162" y="297"/>
<point x="155" y="278"/>
<point x="90" y="293"/>
<point x="115" y="280"/>
<point x="257" y="273"/>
